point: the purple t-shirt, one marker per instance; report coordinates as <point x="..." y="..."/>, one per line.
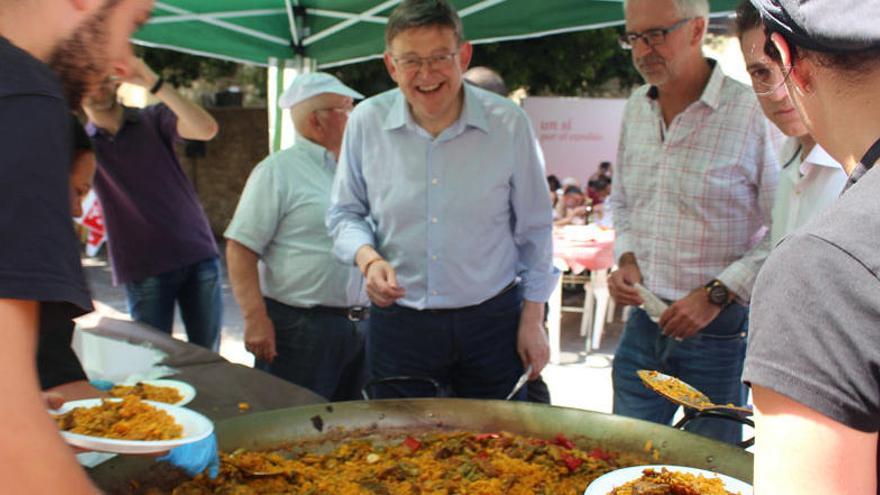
<point x="153" y="217"/>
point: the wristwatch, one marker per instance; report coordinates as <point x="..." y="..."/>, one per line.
<point x="718" y="293"/>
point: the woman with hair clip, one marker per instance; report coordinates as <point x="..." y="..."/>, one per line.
<point x="813" y="358"/>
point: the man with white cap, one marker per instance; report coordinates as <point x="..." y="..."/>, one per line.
<point x="305" y="324"/>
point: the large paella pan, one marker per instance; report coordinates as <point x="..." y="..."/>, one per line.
<point x="323" y="427"/>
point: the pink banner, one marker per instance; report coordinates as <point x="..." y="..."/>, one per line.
<point x="576" y="134"/>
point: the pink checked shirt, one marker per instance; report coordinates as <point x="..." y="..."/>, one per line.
<point x="693" y="200"/>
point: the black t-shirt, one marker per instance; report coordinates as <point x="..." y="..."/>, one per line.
<point x="39" y="256"/>
<point x="81" y="141"/>
<point x="815" y="314"/>
<point x="57" y="364"/>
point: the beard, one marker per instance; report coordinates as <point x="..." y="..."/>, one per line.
<point x="653" y="69"/>
<point x="81" y="61"/>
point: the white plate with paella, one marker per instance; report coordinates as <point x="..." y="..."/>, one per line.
<point x="129" y="425"/>
<point x="631" y="480"/>
<point x="174" y="392"/>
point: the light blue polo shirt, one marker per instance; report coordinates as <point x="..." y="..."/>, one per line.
<point x="280" y="216"/>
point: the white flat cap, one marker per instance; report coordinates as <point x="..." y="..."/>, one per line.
<point x="306" y="86"/>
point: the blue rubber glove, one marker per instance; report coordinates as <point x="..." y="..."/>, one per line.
<point x="103" y="385"/>
<point x="194" y="458"/>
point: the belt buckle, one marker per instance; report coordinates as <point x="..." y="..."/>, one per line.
<point x="356" y="313"/>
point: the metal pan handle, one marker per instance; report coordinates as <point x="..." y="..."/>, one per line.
<point x="692" y="414"/>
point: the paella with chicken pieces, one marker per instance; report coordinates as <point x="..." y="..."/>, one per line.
<point x="666" y="482"/>
<point x="127" y="419"/>
<point x="459" y="463"/>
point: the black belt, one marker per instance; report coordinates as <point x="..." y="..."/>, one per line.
<point x="356" y="313"/>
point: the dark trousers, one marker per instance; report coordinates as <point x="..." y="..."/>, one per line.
<point x="711" y="361"/>
<point x="195" y="288"/>
<point x="319" y="350"/>
<point x="471" y="351"/>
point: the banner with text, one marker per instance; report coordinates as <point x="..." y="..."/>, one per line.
<point x="576" y="134"/>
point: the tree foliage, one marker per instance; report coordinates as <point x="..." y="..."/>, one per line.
<point x="586" y="63"/>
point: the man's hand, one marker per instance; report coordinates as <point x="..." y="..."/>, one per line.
<point x="621" y="283"/>
<point x="140" y="73"/>
<point x="259" y="337"/>
<point x="687" y="316"/>
<point x="382" y="286"/>
<point x="531" y="339"/>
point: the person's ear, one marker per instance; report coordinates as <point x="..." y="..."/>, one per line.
<point x="465" y="52"/>
<point x="389" y="65"/>
<point x="315" y="122"/>
<point x="698" y="32"/>
<point x="800" y="71"/>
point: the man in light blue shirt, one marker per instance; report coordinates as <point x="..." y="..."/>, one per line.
<point x="440" y="200"/>
<point x="302" y="326"/>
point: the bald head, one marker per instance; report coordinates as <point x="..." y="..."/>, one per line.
<point x="486" y="78"/>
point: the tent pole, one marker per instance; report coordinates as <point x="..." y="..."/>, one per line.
<point x="281" y="74"/>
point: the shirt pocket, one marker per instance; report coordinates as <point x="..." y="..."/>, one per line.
<point x="715" y="189"/>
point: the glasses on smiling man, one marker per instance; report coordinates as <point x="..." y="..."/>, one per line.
<point x="411" y="63"/>
<point x="651" y="37"/>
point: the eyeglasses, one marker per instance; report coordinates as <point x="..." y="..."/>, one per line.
<point x="767" y="80"/>
<point x="651" y="37"/>
<point x="414" y="64"/>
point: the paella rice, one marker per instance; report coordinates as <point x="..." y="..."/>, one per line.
<point x="146" y="391"/>
<point x="666" y="482"/>
<point x="127" y="419"/>
<point x="673" y="387"/>
<point x="460" y="463"/>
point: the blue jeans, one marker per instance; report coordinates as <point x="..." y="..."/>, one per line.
<point x="195" y="288"/>
<point x="321" y="351"/>
<point x="471" y="351"/>
<point x="711" y="361"/>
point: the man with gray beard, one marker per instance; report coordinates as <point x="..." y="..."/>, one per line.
<point x="692" y="197"/>
<point x="40" y="273"/>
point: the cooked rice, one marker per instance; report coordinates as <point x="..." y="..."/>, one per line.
<point x="168" y="395"/>
<point x="126" y="419"/>
<point x="666" y="482"/>
<point x="439" y="463"/>
<point x="673" y="387"/>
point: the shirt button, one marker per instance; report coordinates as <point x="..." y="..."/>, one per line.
<point x="434" y="258"/>
<point x="435" y="181"/>
<point x="434" y="220"/>
<point x="434" y="293"/>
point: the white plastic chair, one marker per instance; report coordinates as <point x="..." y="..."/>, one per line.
<point x="597" y="303"/>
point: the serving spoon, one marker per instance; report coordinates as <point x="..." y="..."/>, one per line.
<point x="685" y="395"/>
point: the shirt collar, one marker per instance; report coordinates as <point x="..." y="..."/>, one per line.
<point x="316" y="152"/>
<point x="711" y="93"/>
<point x="473" y="112"/>
<point x="818" y="156"/>
<point x="398" y="116"/>
<point x="129" y="116"/>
